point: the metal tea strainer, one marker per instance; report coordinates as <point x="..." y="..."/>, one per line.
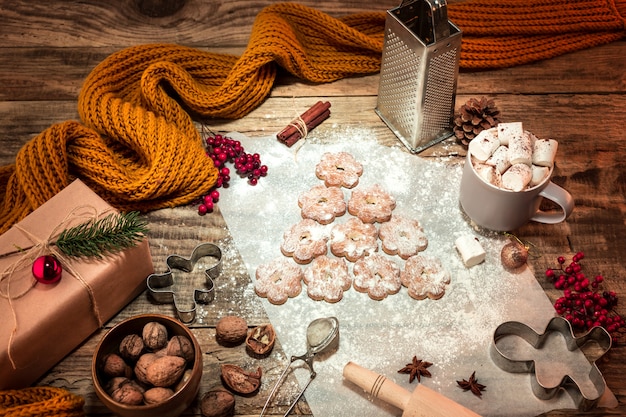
<point x="321" y="334"/>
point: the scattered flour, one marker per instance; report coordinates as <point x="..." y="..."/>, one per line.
<point x="454" y="332"/>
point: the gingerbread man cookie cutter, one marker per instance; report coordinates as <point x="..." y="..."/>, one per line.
<point x="554" y="359"/>
<point x="160" y="285"/>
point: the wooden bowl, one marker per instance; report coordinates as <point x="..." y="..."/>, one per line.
<point x="172" y="407"/>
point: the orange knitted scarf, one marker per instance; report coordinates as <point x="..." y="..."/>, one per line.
<point x="40" y="402"/>
<point x="138" y="148"/>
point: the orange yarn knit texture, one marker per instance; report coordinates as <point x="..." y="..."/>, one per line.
<point x="137" y="145"/>
<point x="40" y="402"/>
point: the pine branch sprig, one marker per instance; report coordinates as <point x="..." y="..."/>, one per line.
<point x="111" y="234"/>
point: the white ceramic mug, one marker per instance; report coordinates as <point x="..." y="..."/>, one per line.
<point x="499" y="209"/>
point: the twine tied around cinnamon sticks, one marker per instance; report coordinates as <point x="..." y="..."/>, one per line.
<point x="300" y="127"/>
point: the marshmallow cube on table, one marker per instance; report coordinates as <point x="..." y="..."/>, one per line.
<point x="470" y="249"/>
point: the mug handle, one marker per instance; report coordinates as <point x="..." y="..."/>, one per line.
<point x="561" y="197"/>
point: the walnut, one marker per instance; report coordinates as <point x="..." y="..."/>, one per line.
<point x="115" y="383"/>
<point x="157" y="395"/>
<point x="260" y="340"/>
<point x="154" y="335"/>
<point x="128" y="394"/>
<point x="218" y="403"/>
<point x="131" y="347"/>
<point x="113" y="365"/>
<point x="141" y="367"/>
<point x="180" y="346"/>
<point x="231" y="330"/>
<point x="240" y="381"/>
<point x="165" y="370"/>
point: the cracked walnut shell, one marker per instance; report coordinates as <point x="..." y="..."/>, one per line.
<point x="261" y="339"/>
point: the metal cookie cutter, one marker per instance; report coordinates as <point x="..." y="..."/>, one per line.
<point x="159" y="285"/>
<point x="554" y="358"/>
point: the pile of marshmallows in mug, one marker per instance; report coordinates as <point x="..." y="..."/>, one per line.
<point x="510" y="158"/>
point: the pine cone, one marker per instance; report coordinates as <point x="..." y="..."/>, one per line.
<point x="473" y="117"/>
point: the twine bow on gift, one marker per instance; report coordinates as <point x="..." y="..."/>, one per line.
<point x="27" y="256"/>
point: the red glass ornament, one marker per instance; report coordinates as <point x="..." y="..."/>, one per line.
<point x="47" y="269"/>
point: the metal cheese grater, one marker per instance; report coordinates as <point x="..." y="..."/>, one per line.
<point x="419" y="70"/>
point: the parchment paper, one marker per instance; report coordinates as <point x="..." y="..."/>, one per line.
<point x="454" y="332"/>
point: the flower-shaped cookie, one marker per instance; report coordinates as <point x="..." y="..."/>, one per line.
<point x="424" y="276"/>
<point x="305" y="241"/>
<point x="376" y="275"/>
<point x="327" y="279"/>
<point x="353" y="239"/>
<point x="339" y="170"/>
<point x="278" y="280"/>
<point x="371" y="204"/>
<point x="402" y="236"/>
<point x="322" y="204"/>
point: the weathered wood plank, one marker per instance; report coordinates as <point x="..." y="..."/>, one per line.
<point x="54" y="73"/>
<point x="563" y="117"/>
<point x="125" y="22"/>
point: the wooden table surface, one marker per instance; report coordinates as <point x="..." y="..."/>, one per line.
<point x="48" y="48"/>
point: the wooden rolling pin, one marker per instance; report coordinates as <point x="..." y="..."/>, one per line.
<point x="423" y="402"/>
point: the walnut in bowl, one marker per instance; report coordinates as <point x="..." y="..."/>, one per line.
<point x="148" y="365"/>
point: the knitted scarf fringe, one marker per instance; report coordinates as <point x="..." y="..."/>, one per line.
<point x="40" y="402"/>
<point x="138" y="147"/>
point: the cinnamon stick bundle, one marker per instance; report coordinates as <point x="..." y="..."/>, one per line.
<point x="312" y="118"/>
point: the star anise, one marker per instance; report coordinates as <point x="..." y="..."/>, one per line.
<point x="472" y="385"/>
<point x="416" y="369"/>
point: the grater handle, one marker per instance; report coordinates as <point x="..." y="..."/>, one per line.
<point x="430" y="23"/>
<point x="441" y="27"/>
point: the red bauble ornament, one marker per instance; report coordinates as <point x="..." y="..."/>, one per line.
<point x="47" y="269"/>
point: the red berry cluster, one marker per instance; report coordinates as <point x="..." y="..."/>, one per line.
<point x="583" y="303"/>
<point x="222" y="149"/>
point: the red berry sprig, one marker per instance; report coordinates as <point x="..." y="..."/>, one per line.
<point x="222" y="149"/>
<point x="584" y="304"/>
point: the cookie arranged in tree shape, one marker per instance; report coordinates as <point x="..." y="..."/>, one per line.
<point x="353" y="239"/>
<point x="305" y="240"/>
<point x="327" y="279"/>
<point x="376" y="275"/>
<point x="322" y="204"/>
<point x="402" y="236"/>
<point x="339" y="169"/>
<point x="371" y="204"/>
<point x="278" y="280"/>
<point x="424" y="277"/>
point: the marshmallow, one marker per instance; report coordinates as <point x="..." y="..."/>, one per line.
<point x="488" y="173"/>
<point x="484" y="144"/>
<point x="538" y="175"/>
<point x="521" y="149"/>
<point x="508" y="131"/>
<point x="500" y="159"/>
<point x="470" y="249"/>
<point x="517" y="177"/>
<point x="544" y="152"/>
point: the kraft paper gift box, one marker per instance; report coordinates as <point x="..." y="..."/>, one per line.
<point x="42" y="323"/>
